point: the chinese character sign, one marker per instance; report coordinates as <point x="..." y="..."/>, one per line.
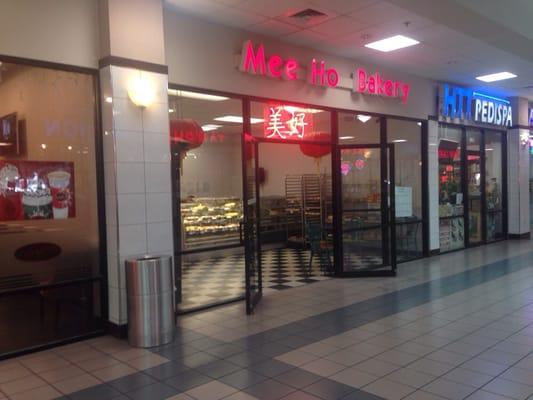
<point x="286" y="122"/>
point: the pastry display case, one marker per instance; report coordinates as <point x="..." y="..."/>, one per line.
<point x="211" y="221"/>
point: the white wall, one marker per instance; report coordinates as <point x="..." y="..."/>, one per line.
<point x="205" y="55"/>
<point x="63" y="31"/>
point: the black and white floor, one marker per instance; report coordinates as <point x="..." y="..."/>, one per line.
<point x="221" y="278"/>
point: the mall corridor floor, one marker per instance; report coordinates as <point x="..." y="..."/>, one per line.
<point x="457" y="326"/>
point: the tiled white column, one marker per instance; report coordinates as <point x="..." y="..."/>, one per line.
<point x="137" y="177"/>
<point x="433" y="184"/>
<point x="518" y="182"/>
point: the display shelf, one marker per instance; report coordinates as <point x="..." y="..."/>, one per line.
<point x="210" y="221"/>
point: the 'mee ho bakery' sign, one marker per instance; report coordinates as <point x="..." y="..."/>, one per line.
<point x="254" y="61"/>
<point x="467" y="105"/>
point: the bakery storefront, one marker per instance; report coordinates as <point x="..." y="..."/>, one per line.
<point x="472" y="167"/>
<point x="272" y="194"/>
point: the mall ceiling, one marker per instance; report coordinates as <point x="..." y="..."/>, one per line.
<point x="460" y="39"/>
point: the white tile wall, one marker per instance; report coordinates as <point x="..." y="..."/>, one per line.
<point x="131" y="208"/>
<point x="129" y="146"/>
<point x="156" y="147"/>
<point x="157" y="177"/>
<point x="158" y="207"/>
<point x="137" y="169"/>
<point x="132" y="239"/>
<point x="159" y="237"/>
<point x="130" y="177"/>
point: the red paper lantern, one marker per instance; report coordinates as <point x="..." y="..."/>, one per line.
<point x="186" y="132"/>
<point x="317" y="150"/>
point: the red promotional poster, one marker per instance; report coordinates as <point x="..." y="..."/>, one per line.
<point x="36" y="190"/>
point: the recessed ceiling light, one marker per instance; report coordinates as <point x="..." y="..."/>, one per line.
<point x="346" y="137"/>
<point x="499" y="76"/>
<point x="363" y="118"/>
<point x="210" y="127"/>
<point x="171" y="110"/>
<point x="399" y="141"/>
<point x="195" y="95"/>
<point x="419" y="123"/>
<point x="392" y="43"/>
<point x="108" y="99"/>
<point x="237" y="119"/>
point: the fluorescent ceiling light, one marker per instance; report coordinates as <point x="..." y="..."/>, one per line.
<point x="6" y="144"/>
<point x="392" y="43"/>
<point x="399" y="141"/>
<point x="210" y="127"/>
<point x="170" y="110"/>
<point x="363" y="118"/>
<point x="237" y="119"/>
<point x="499" y="76"/>
<point x="346" y="137"/>
<point x="195" y="95"/>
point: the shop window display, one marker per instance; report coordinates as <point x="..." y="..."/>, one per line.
<point x="493" y="185"/>
<point x="451" y="207"/>
<point x="48" y="206"/>
<point x="473" y="171"/>
<point x="205" y="134"/>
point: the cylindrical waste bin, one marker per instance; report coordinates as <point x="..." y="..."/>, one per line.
<point x="150" y="294"/>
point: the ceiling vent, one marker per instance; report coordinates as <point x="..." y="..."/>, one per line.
<point x="308" y="14"/>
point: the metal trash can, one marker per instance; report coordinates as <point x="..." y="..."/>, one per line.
<point x="150" y="294"/>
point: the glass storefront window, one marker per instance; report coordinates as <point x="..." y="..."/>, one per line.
<point x="451" y="200"/>
<point x="404" y="138"/>
<point x="473" y="171"/>
<point x="358" y="129"/>
<point x="205" y="134"/>
<point x="48" y="206"/>
<point x="494" y="184"/>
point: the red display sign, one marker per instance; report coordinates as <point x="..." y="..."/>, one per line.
<point x="377" y="85"/>
<point x="286" y="122"/>
<point x="36" y="190"/>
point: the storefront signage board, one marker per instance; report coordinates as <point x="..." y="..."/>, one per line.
<point x="467" y="105"/>
<point x="255" y="62"/>
<point x="403" y="201"/>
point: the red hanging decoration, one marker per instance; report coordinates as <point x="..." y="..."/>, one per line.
<point x="187" y="133"/>
<point x="316" y="150"/>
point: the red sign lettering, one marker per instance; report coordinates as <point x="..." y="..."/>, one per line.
<point x="286" y="122"/>
<point x="375" y="84"/>
<point x="255" y="62"/>
<point x="319" y="75"/>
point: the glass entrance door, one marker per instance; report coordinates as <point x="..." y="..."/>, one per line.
<point x="367" y="209"/>
<point x="254" y="287"/>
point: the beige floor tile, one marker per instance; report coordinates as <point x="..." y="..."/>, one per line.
<point x="353" y="377"/>
<point x="21" y="385"/>
<point x="16" y="371"/>
<point x="323" y="367"/>
<point x="113" y="372"/>
<point x="76" y="383"/>
<point x="41" y="393"/>
<point x="296" y="357"/>
<point x="100" y="362"/>
<point x="46" y="365"/>
<point x="130" y="354"/>
<point x="240" y="396"/>
<point x="147" y="361"/>
<point x="214" y="390"/>
<point x="83" y="354"/>
<point x="60" y="374"/>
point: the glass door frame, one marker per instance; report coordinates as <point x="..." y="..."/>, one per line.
<point x="387" y="207"/>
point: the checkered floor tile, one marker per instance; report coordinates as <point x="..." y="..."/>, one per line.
<point x="222" y="278"/>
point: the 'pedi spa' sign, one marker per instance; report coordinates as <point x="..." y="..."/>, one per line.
<point x="470" y="106"/>
<point x="318" y="73"/>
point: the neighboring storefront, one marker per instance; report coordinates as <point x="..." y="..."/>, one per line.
<point x="50" y="215"/>
<point x="472" y="159"/>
